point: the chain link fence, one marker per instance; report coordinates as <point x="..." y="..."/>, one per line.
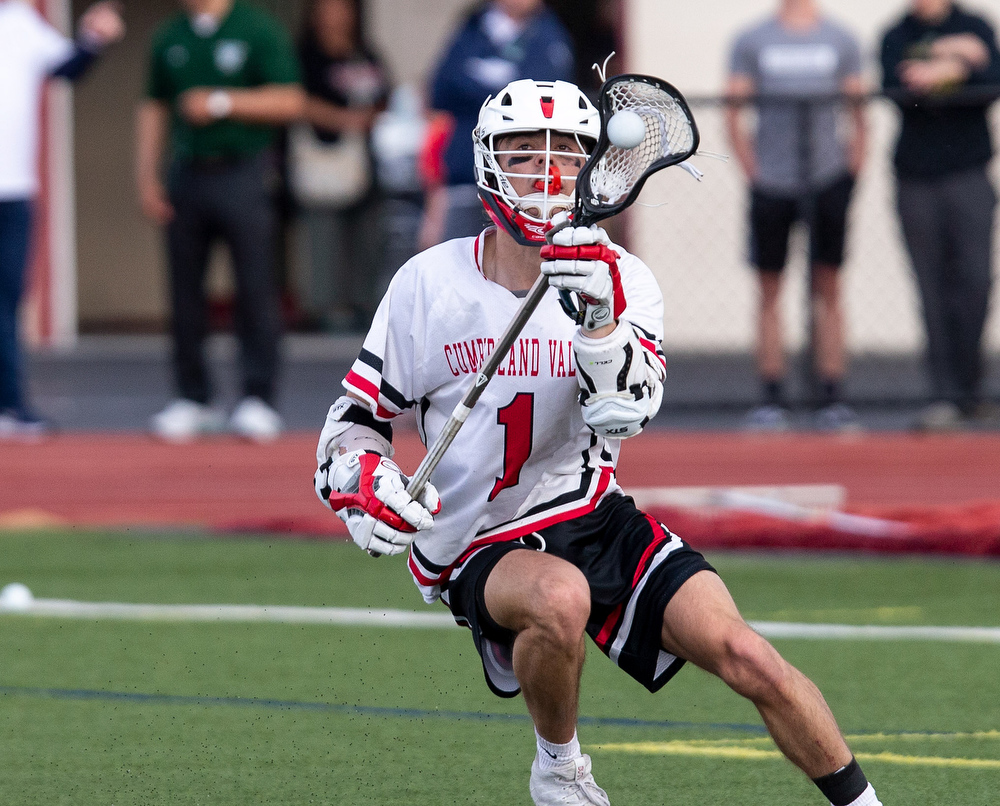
<point x="694" y="237"/>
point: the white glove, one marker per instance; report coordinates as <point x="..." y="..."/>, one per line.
<point x="581" y="260"/>
<point x="368" y="493"/>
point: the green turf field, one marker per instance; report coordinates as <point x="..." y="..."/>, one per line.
<point x="103" y="712"/>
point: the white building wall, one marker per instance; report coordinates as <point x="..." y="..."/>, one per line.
<point x="696" y="240"/>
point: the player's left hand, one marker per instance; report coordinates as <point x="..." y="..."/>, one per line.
<point x="102" y="24"/>
<point x="581" y="260"/>
<point x="368" y="493"/>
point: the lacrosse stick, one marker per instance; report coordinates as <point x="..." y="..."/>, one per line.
<point x="609" y="182"/>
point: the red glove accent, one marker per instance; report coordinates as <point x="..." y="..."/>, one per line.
<point x="365" y="500"/>
<point x="597" y="251"/>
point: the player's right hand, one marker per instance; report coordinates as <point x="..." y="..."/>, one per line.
<point x="368" y="493"/>
<point x="581" y="260"/>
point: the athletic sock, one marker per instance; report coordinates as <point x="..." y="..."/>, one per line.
<point x="551" y="755"/>
<point x="829" y="392"/>
<point x="774" y="392"/>
<point x="867" y="798"/>
<point x="848" y="786"/>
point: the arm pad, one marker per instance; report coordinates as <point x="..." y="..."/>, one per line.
<point x="351" y="426"/>
<point x="621" y="383"/>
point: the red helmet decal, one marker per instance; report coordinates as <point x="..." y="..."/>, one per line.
<point x="548" y="106"/>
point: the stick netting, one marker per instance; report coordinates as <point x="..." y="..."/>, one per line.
<point x="669" y="135"/>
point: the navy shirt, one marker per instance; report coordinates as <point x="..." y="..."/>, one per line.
<point x="475" y="67"/>
<point x="938" y="137"/>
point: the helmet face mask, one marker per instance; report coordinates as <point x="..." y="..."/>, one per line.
<point x="531" y="142"/>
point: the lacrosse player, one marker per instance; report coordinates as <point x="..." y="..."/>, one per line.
<point x="525" y="534"/>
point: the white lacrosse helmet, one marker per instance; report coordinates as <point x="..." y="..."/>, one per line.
<point x="531" y="106"/>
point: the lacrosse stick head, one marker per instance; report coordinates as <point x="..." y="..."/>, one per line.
<point x="614" y="174"/>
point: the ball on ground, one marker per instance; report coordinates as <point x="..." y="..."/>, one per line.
<point x="15" y="597"/>
<point x="626" y="129"/>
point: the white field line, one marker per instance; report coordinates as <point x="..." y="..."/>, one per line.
<point x="787" y="629"/>
<point x="68" y="608"/>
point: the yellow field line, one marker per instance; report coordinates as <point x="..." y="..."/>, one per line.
<point x="882" y="737"/>
<point x="711" y="749"/>
<point x="979" y="734"/>
<point x="679" y="748"/>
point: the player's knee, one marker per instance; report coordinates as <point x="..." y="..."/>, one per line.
<point x="562" y="606"/>
<point x="751" y="666"/>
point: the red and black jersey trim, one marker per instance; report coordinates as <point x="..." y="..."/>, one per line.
<point x="549" y="514"/>
<point x="586" y="478"/>
<point x="434" y="568"/>
<point x="359" y="415"/>
<point x="383" y="390"/>
<point x="650" y="343"/>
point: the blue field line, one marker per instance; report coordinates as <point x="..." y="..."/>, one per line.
<point x="339" y="708"/>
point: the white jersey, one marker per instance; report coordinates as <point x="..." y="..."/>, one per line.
<point x="524" y="458"/>
<point x="30" y="49"/>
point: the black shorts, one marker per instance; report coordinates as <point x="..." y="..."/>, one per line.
<point x="634" y="565"/>
<point x="772" y="216"/>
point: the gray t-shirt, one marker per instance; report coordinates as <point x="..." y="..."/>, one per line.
<point x="790" y="67"/>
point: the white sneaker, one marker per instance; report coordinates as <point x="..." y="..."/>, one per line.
<point x="768" y="418"/>
<point x="837" y="417"/>
<point x="184" y="420"/>
<point x="942" y="415"/>
<point x="568" y="785"/>
<point x="254" y="419"/>
<point x="22" y="426"/>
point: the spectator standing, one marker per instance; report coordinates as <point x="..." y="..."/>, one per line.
<point x="222" y="77"/>
<point x="798" y="63"/>
<point x="500" y="42"/>
<point x="31" y="51"/>
<point x="347" y="87"/>
<point x="941" y="65"/>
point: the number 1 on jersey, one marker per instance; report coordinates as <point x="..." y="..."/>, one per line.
<point x="517" y="419"/>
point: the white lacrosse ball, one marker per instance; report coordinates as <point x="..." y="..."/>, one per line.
<point x="16" y="597"/>
<point x="626" y="129"/>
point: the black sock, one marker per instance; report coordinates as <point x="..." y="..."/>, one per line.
<point x="843" y="786"/>
<point x="774" y="392"/>
<point x="829" y="392"/>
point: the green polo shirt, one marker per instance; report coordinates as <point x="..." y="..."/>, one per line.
<point x="249" y="49"/>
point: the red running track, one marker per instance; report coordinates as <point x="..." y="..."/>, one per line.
<point x="130" y="480"/>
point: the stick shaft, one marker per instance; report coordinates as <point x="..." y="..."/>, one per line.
<point x="477" y="387"/>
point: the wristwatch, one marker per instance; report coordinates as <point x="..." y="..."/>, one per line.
<point x="219" y="104"/>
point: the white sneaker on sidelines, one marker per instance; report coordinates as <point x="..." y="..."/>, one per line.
<point x="254" y="419"/>
<point x="19" y="425"/>
<point x="568" y="785"/>
<point x="837" y="418"/>
<point x="184" y="420"/>
<point x="769" y="418"/>
<point x="942" y="415"/>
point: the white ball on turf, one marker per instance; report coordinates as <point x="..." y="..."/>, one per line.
<point x="16" y="597"/>
<point x="626" y="129"/>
